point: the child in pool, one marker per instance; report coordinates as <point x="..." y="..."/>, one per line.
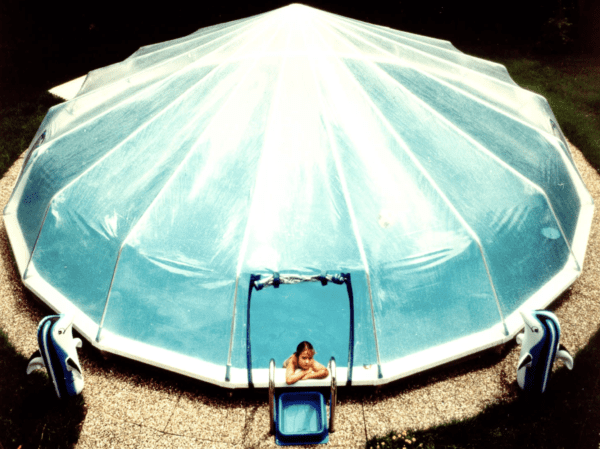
<point x="302" y="365"/>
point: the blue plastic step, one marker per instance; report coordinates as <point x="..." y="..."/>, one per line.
<point x="301" y="418"/>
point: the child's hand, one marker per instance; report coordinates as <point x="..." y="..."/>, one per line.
<point x="308" y="373"/>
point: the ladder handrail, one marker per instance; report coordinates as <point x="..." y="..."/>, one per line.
<point x="333" y="398"/>
<point x="272" y="396"/>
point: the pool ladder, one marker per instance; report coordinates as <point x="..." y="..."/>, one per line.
<point x="332" y="400"/>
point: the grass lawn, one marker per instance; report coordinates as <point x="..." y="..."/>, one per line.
<point x="572" y="87"/>
<point x="19" y="121"/>
<point x="568" y="415"/>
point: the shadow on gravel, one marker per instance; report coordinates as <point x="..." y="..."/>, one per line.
<point x="31" y="415"/>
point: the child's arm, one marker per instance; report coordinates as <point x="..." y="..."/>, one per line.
<point x="318" y="371"/>
<point x="291" y="377"/>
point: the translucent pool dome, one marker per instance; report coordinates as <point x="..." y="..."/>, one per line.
<point x="211" y="201"/>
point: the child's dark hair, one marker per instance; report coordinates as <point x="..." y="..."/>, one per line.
<point x="304" y="346"/>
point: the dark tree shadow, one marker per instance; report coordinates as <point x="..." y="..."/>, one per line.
<point x="31" y="415"/>
<point x="566" y="415"/>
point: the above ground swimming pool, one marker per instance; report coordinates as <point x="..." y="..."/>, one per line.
<point x="211" y="201"/>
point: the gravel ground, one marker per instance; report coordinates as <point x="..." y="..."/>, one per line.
<point x="132" y="405"/>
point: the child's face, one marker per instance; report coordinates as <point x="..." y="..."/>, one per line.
<point x="305" y="360"/>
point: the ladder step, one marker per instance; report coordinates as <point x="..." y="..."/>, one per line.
<point x="301" y="418"/>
